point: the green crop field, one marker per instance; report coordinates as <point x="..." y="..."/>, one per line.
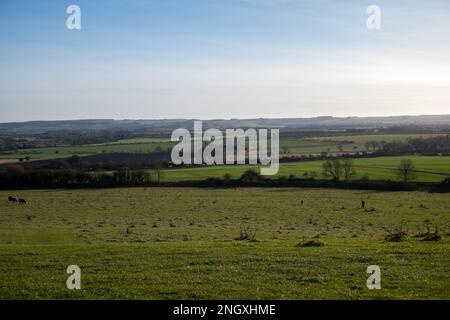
<point x="317" y="145"/>
<point x="177" y="243"/>
<point x="85" y="150"/>
<point x="429" y="169"/>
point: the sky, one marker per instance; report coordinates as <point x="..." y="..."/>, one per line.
<point x="210" y="59"/>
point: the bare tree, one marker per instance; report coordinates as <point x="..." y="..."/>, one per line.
<point x="348" y="168"/>
<point x="332" y="169"/>
<point x="406" y="171"/>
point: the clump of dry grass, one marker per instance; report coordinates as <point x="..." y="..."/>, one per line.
<point x="246" y="233"/>
<point x="428" y="235"/>
<point x="397" y="235"/>
<point x="432" y="237"/>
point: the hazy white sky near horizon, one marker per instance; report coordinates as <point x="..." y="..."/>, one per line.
<point x="223" y="59"/>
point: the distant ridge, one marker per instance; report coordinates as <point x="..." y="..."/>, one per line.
<point x="322" y="122"/>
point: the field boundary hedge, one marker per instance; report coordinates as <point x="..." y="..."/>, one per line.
<point x="381" y="185"/>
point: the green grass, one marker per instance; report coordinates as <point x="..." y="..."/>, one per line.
<point x="429" y="169"/>
<point x="67" y="151"/>
<point x="199" y="258"/>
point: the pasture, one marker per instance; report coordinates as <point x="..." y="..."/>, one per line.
<point x="123" y="146"/>
<point x="186" y="243"/>
<point x="429" y="169"/>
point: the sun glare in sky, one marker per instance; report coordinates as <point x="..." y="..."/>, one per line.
<point x="223" y="59"/>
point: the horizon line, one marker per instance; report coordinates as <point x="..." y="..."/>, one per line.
<point x="226" y="119"/>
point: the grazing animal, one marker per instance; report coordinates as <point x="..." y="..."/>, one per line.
<point x="22" y="201"/>
<point x="12" y="199"/>
<point x="363" y="204"/>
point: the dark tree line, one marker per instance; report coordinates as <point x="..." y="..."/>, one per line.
<point x="425" y="146"/>
<point x="16" y="176"/>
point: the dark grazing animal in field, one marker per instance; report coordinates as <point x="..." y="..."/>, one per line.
<point x="22" y="201"/>
<point x="12" y="199"/>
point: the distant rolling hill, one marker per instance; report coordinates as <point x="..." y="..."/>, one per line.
<point x="170" y="124"/>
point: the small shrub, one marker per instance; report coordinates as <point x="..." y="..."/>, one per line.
<point x="227" y="177"/>
<point x="395" y="236"/>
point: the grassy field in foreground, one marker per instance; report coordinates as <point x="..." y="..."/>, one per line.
<point x="174" y="243"/>
<point x="429" y="169"/>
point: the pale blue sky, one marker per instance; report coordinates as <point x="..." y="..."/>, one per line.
<point x="222" y="59"/>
